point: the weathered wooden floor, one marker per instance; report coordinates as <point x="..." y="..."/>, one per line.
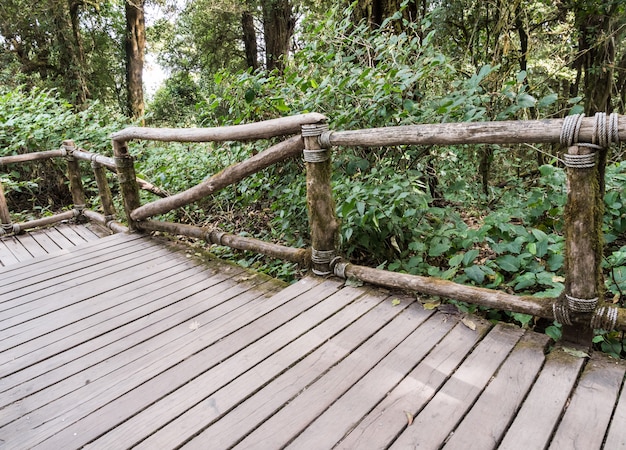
<point x="123" y="342"/>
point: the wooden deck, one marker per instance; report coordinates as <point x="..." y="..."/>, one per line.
<point x="125" y="342"/>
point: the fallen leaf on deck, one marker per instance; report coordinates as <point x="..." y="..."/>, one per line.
<point x="353" y="282"/>
<point x="409" y="418"/>
<point x="431" y="305"/>
<point x="469" y="323"/>
<point x="576" y="353"/>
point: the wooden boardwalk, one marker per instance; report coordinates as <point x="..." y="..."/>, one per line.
<point x="126" y="341"/>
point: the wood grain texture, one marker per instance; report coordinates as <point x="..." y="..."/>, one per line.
<point x="484" y="425"/>
<point x="432" y="424"/>
<point x="544" y="405"/>
<point x="260" y="130"/>
<point x="127" y="339"/>
<point x="587" y="416"/>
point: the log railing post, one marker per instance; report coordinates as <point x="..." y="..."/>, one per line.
<point x="127" y="178"/>
<point x="5" y="215"/>
<point x="321" y="206"/>
<point x="73" y="172"/>
<point x="583" y="232"/>
<point x="104" y="190"/>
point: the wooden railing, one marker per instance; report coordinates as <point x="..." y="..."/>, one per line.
<point x="580" y="309"/>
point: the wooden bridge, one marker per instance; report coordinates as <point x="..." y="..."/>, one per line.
<point x="132" y="340"/>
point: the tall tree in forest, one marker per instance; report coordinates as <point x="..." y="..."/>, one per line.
<point x="135" y="48"/>
<point x="278" y="27"/>
<point x="374" y="12"/>
<point x="45" y="38"/>
<point x="249" y="37"/>
<point x="600" y="25"/>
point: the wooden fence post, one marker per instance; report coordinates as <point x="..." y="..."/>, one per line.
<point x="583" y="233"/>
<point x="5" y="215"/>
<point x="323" y="221"/>
<point x="73" y="172"/>
<point x="106" y="199"/>
<point x="127" y="178"/>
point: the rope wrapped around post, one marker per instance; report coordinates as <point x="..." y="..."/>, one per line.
<point x="583" y="227"/>
<point x="321" y="206"/>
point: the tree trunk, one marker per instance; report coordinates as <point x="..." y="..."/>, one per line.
<point x="278" y="26"/>
<point x="71" y="62"/>
<point x="249" y="40"/>
<point x="135" y="46"/>
<point x="376" y="11"/>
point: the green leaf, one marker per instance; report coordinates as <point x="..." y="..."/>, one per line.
<point x="525" y="100"/>
<point x="470" y="256"/>
<point x="576" y="353"/>
<point x="524" y="281"/>
<point x="438" y="247"/>
<point x="456" y="260"/>
<point x="508" y="263"/>
<point x="360" y="207"/>
<point x="547" y="100"/>
<point x="475" y="273"/>
<point x="554" y="331"/>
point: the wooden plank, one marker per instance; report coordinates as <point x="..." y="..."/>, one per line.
<point x="440" y="416"/>
<point x="90" y="231"/>
<point x="111" y="361"/>
<point x="588" y="414"/>
<point x="114" y="335"/>
<point x="387" y="420"/>
<point x="17" y="249"/>
<point x="27" y="307"/>
<point x="91" y="312"/>
<point x="31" y="245"/>
<point x="59" y="238"/>
<point x="69" y="232"/>
<point x="46" y="276"/>
<point x="45" y="241"/>
<point x="213" y="340"/>
<point x="313" y="400"/>
<point x="61" y="258"/>
<point x="216" y="386"/>
<point x="616" y="436"/>
<point x="228" y="425"/>
<point x="343" y="415"/>
<point x="543" y="406"/>
<point x="497" y="405"/>
<point x="223" y="368"/>
<point x="6" y="256"/>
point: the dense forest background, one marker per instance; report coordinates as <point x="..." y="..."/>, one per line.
<point x="489" y="215"/>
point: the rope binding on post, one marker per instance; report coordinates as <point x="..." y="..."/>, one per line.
<point x="561" y="314"/>
<point x="322" y="257"/>
<point x="604" y="133"/>
<point x="604" y="318"/>
<point x="581" y="304"/>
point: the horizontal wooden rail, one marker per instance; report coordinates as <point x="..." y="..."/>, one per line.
<point x="535" y="306"/>
<point x="279" y="152"/>
<point x="5" y="160"/>
<point x="296" y="255"/>
<point x="502" y="132"/>
<point x="44" y="221"/>
<point x="260" y="130"/>
<point x="84" y="155"/>
<point x="112" y="225"/>
<point x="541" y="307"/>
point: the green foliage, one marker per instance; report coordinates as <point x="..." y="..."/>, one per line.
<point x="40" y="120"/>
